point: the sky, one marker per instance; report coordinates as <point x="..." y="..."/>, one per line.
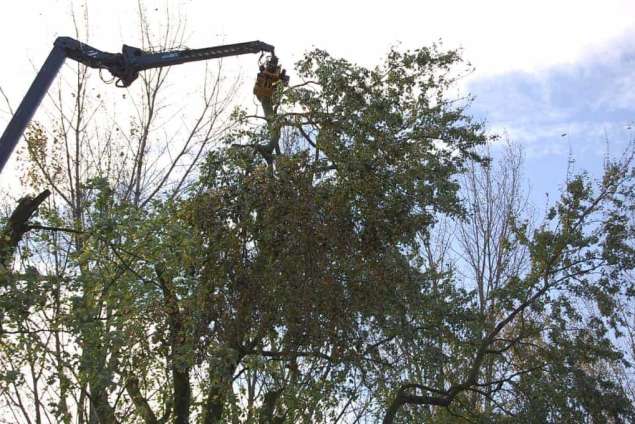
<point x="554" y="76"/>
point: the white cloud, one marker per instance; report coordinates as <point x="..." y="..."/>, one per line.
<point x="498" y="36"/>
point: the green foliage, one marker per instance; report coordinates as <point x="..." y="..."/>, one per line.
<point x="293" y="280"/>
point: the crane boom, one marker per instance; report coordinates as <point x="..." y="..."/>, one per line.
<point x="152" y="60"/>
<point x="124" y="66"/>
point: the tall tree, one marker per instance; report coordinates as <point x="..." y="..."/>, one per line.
<point x="297" y="274"/>
<point x="98" y="167"/>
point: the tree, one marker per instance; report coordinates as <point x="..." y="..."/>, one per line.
<point x="298" y="274"/>
<point x="95" y="165"/>
<point x="306" y="254"/>
<point x="534" y="354"/>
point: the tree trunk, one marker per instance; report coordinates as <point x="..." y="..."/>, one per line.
<point x="182" y="395"/>
<point x="220" y="385"/>
<point x="180" y="367"/>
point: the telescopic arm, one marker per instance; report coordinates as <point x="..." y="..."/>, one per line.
<point x="124" y="66"/>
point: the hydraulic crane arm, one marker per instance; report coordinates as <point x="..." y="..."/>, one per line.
<point x="124" y="66"/>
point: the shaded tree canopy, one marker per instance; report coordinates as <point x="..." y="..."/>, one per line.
<point x="347" y="253"/>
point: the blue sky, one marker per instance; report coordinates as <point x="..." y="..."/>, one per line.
<point x="580" y="110"/>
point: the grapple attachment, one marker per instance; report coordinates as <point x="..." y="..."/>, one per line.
<point x="271" y="74"/>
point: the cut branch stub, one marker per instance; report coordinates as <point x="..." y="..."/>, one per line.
<point x="17" y="226"/>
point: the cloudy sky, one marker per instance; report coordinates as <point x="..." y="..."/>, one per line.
<point x="556" y="76"/>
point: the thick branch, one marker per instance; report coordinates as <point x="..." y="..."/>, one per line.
<point x="17" y="225"/>
<point x="180" y="369"/>
<point x="141" y="404"/>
